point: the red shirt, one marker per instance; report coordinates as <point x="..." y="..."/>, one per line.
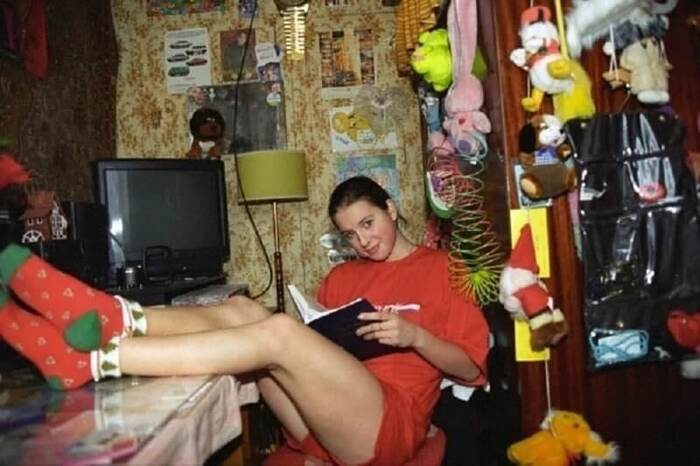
<point x="417" y="286"/>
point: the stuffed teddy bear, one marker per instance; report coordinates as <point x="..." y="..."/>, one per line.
<point x="432" y="59"/>
<point x="525" y="296"/>
<point x="643" y="64"/>
<point x="565" y="437"/>
<point x="207" y="127"/>
<point x="540" y="56"/>
<point x="548" y="169"/>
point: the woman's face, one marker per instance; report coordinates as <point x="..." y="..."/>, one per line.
<point x="371" y="231"/>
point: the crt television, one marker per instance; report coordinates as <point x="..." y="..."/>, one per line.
<point x="167" y="217"/>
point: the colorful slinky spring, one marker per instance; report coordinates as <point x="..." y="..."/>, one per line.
<point x="476" y="260"/>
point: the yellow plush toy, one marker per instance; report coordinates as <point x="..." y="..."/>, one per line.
<point x="565" y="436"/>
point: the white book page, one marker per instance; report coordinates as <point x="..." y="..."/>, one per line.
<point x="308" y="308"/>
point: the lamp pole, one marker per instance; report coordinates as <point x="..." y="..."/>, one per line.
<point x="279" y="276"/>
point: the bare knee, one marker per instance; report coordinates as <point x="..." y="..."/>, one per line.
<point x="238" y="310"/>
<point x="281" y="331"/>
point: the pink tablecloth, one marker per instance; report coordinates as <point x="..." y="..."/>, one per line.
<point x="207" y="421"/>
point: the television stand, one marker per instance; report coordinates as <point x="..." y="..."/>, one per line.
<point x="151" y="294"/>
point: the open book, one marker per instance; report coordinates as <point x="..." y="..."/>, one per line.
<point x="339" y="324"/>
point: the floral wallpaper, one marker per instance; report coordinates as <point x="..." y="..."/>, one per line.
<point x="58" y="124"/>
<point x="153" y="123"/>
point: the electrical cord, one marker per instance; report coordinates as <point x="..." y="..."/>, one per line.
<point x="235" y="157"/>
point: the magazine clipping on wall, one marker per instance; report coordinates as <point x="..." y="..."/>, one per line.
<point x="347" y="62"/>
<point x="187" y="60"/>
<point x="168" y="7"/>
<point x="232" y="45"/>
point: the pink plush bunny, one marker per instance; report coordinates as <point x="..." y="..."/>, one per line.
<point x="464" y="123"/>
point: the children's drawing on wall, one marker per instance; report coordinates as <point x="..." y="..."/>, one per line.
<point x="351" y="132"/>
<point x="347" y="61"/>
<point x="247" y="8"/>
<point x="261" y="119"/>
<point x="232" y="48"/>
<point x="182" y="7"/>
<point x="381" y="168"/>
<point x="186" y="58"/>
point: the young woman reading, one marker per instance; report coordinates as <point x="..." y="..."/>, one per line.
<point x="332" y="406"/>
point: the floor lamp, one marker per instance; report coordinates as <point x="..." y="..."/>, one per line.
<point x="273" y="176"/>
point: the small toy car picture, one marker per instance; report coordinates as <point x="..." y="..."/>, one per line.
<point x="180" y="44"/>
<point x="197" y="61"/>
<point x="179" y="71"/>
<point x="177" y="57"/>
<point x="196" y="51"/>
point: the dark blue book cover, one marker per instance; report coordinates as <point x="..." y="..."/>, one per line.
<point x="340" y="326"/>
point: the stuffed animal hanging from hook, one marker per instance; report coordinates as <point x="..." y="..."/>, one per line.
<point x="549" y="71"/>
<point x="465" y="124"/>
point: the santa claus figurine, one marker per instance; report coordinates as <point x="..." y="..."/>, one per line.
<point x="525" y="296"/>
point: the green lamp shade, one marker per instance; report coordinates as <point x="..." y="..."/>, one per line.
<point x="272" y="175"/>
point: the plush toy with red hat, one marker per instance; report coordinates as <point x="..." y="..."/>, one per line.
<point x="525" y="296"/>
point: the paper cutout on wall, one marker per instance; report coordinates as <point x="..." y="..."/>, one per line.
<point x="351" y="133"/>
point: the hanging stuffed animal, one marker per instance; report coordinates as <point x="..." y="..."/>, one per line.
<point x="565" y="437"/>
<point x="465" y="124"/>
<point x="643" y="64"/>
<point x="548" y="168"/>
<point x="525" y="296"/>
<point x="432" y="59"/>
<point x="590" y="20"/>
<point x="540" y="56"/>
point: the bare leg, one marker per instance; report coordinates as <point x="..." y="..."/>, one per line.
<point x="176" y="320"/>
<point x="234" y="312"/>
<point x="323" y="382"/>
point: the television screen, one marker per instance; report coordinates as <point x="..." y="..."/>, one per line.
<point x="167" y="217"/>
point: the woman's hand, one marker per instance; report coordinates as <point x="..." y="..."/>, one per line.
<point x="388" y="328"/>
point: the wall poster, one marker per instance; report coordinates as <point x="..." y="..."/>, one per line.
<point x="260" y="123"/>
<point x="347" y="61"/>
<point x="381" y="168"/>
<point x="170" y="7"/>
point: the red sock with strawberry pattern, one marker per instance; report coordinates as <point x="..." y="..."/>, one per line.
<point x="63" y="367"/>
<point x="86" y="317"/>
<point x="37" y="340"/>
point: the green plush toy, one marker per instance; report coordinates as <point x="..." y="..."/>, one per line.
<point x="432" y="59"/>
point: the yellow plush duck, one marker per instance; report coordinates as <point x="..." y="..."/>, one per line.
<point x="564" y="438"/>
